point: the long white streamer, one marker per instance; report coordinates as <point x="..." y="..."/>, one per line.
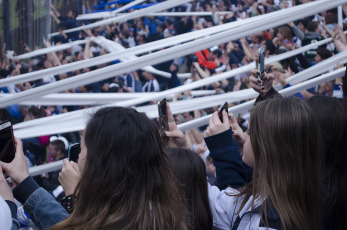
<point x="96" y="98"/>
<point x="99" y="15"/>
<point x="127" y="6"/>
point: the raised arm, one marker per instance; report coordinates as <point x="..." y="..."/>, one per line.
<point x="54" y="56"/>
<point x="225" y="152"/>
<point x="43" y="209"/>
<point x="87" y="52"/>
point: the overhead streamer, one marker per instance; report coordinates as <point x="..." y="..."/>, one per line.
<point x="47" y="50"/>
<point x="79" y="124"/>
<point x="278" y="18"/>
<point x="99" y="15"/>
<point x="136" y="14"/>
<point x="77" y="116"/>
<point x="96" y="98"/>
<point x="285" y="92"/>
<point x="323" y="67"/>
<point x="127" y="6"/>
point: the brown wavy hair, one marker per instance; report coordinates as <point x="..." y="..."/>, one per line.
<point x="127" y="182"/>
<point x="285" y="139"/>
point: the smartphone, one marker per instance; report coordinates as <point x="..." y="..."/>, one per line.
<point x="7" y="145"/>
<point x="73" y="152"/>
<point x="163" y="116"/>
<point x="220" y="111"/>
<point x="261" y="59"/>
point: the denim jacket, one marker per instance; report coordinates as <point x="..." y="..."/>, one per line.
<point x="42" y="207"/>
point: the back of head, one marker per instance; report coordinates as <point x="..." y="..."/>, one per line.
<point x="127" y="182"/>
<point x="331" y="114"/>
<point x="190" y="171"/>
<point x="324" y="53"/>
<point x="286" y="32"/>
<point x="59" y="145"/>
<point x="312" y="26"/>
<point x="285" y="141"/>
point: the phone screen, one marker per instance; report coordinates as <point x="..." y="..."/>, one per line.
<point x="74" y="151"/>
<point x="7" y="146"/>
<point x="163" y="117"/>
<point x="261" y="60"/>
<point x="220" y="110"/>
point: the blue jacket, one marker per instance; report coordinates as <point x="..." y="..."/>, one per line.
<point x="230" y="169"/>
<point x="42" y="207"/>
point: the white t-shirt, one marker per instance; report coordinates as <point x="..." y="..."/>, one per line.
<point x="5" y="215"/>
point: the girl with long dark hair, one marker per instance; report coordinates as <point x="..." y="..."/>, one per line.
<point x="126" y="180"/>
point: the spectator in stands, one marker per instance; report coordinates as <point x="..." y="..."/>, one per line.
<point x="151" y="84"/>
<point x="69" y="21"/>
<point x="113" y="166"/>
<point x="56" y="151"/>
<point x="313" y="35"/>
<point x="322" y="54"/>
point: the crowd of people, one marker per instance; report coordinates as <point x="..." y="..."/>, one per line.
<point x="279" y="166"/>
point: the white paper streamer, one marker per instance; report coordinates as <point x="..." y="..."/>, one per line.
<point x="96" y="98"/>
<point x="99" y="15"/>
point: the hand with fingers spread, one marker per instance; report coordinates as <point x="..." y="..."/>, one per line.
<point x="215" y="124"/>
<point x="5" y="190"/>
<point x="175" y="135"/>
<point x="265" y="82"/>
<point x="69" y="176"/>
<point x="18" y="169"/>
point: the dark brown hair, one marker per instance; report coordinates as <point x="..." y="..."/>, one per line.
<point x="190" y="170"/>
<point x="331" y="114"/>
<point x="127" y="182"/>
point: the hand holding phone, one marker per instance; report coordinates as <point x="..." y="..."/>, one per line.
<point x="73" y="152"/>
<point x="7" y="146"/>
<point x="220" y="111"/>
